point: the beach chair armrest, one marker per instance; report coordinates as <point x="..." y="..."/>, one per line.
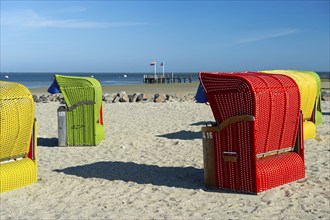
<point x="235" y="119"/>
<point x="76" y="105"/>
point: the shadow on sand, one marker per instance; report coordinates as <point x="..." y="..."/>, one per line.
<point x="48" y="142"/>
<point x="325" y="113"/>
<point x="183" y="135"/>
<point x="203" y="123"/>
<point x="181" y="177"/>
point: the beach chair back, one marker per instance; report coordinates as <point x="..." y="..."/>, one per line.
<point x="17" y="137"/>
<point x="318" y="108"/>
<point x="257" y="131"/>
<point x="84" y="116"/>
<point x="309" y="84"/>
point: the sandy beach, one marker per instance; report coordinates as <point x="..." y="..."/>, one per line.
<point x="149" y="89"/>
<point x="150" y="166"/>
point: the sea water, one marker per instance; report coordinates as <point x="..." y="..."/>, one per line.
<point x="44" y="80"/>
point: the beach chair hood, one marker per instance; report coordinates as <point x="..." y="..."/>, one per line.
<point x="84" y="114"/>
<point x="309" y="84"/>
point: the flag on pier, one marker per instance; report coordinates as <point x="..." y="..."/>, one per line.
<point x="162" y="64"/>
<point x="154" y="64"/>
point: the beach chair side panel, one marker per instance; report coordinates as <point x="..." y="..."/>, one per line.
<point x="234" y="152"/>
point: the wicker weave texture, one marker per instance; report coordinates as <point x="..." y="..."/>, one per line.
<point x="16" y="117"/>
<point x="288" y="167"/>
<point x="18" y="143"/>
<point x="274" y="101"/>
<point x="17" y="174"/>
<point x="308" y="88"/>
<point x="318" y="109"/>
<point x="84" y="122"/>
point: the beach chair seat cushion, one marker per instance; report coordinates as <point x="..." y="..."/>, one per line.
<point x="279" y="169"/>
<point x="17" y="174"/>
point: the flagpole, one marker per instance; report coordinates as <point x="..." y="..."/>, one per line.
<point x="163" y="68"/>
<point x="155" y="70"/>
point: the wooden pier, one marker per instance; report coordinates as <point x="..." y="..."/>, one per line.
<point x="166" y="79"/>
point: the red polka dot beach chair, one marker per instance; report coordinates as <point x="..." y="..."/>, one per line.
<point x="18" y="142"/>
<point x="257" y="141"/>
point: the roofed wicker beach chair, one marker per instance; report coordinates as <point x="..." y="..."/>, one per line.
<point x="18" y="142"/>
<point x="309" y="84"/>
<point x="317" y="119"/>
<point x="83" y="116"/>
<point x="257" y="142"/>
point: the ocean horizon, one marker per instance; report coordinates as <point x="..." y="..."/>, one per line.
<point x="45" y="79"/>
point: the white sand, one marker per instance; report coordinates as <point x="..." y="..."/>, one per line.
<point x="150" y="166"/>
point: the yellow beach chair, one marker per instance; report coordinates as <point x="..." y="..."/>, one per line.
<point x="318" y="109"/>
<point x="18" y="137"/>
<point x="309" y="89"/>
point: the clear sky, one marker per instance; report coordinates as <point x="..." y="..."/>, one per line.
<point x="189" y="36"/>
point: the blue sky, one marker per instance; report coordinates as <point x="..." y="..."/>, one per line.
<point x="189" y="36"/>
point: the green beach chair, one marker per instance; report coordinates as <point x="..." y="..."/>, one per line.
<point x="318" y="109"/>
<point x="83" y="110"/>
